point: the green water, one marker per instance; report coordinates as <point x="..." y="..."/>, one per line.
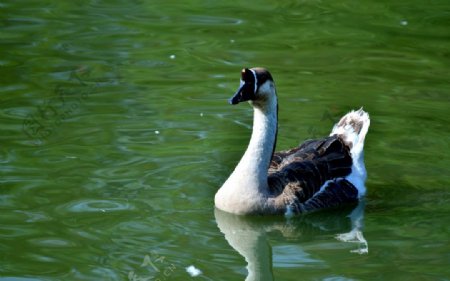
<point x="116" y="134"/>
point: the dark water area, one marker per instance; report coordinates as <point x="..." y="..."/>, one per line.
<point x="116" y="134"/>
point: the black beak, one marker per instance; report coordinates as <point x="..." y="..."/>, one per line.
<point x="241" y="95"/>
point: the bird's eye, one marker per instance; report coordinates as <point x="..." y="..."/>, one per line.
<point x="243" y="74"/>
<point x="247" y="76"/>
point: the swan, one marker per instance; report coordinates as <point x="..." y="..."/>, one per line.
<point x="318" y="174"/>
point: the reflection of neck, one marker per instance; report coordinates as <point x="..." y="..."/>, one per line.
<point x="258" y="255"/>
<point x="250" y="242"/>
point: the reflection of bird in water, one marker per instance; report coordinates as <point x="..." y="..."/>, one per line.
<point x="356" y="235"/>
<point x="248" y="235"/>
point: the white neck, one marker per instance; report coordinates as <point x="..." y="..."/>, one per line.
<point x="255" y="162"/>
<point x="246" y="190"/>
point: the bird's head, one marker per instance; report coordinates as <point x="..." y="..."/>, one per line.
<point x="256" y="86"/>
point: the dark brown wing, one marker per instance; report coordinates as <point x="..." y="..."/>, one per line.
<point x="295" y="176"/>
<point x="336" y="193"/>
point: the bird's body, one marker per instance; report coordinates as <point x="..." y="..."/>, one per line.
<point x="318" y="174"/>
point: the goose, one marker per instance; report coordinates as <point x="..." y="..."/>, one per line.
<point x="318" y="174"/>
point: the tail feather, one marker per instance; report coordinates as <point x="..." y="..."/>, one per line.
<point x="352" y="129"/>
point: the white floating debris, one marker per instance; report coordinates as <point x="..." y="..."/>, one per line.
<point x="232" y="41"/>
<point x="193" y="271"/>
<point x="157" y="132"/>
<point x="404" y="22"/>
<point x="201" y="114"/>
<point x="172" y="57"/>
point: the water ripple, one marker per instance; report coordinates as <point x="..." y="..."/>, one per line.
<point x="214" y="20"/>
<point x="93" y="205"/>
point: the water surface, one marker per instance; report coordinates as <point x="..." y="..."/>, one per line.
<point x="116" y="134"/>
